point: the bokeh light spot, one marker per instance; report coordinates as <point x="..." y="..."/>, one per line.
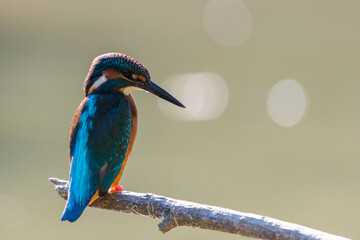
<point x="286" y="102"/>
<point x="205" y="96"/>
<point x="228" y="22"/>
<point x="12" y="212"/>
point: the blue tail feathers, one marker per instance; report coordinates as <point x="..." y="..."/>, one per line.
<point x="72" y="211"/>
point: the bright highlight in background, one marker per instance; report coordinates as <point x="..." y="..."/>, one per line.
<point x="228" y="22"/>
<point x="12" y="212"/>
<point x="205" y="96"/>
<point x="286" y="102"/>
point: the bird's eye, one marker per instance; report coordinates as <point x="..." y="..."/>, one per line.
<point x="126" y="73"/>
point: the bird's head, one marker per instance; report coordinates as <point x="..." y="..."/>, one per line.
<point x="117" y="72"/>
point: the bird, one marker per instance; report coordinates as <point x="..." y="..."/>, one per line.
<point x="104" y="127"/>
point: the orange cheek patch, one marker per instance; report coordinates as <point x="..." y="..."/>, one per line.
<point x="111" y="74"/>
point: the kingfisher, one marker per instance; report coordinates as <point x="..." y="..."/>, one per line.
<point x="103" y="129"/>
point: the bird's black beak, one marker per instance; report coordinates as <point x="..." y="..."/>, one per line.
<point x="158" y="91"/>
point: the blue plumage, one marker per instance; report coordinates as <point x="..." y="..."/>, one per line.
<point x="83" y="185"/>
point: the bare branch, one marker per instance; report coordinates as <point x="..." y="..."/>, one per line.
<point x="183" y="213"/>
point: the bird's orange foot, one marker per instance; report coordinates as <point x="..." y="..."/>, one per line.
<point x="117" y="188"/>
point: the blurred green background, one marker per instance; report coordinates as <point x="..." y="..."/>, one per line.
<point x="306" y="174"/>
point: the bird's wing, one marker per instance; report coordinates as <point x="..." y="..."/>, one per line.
<point x="75" y="128"/>
<point x="109" y="144"/>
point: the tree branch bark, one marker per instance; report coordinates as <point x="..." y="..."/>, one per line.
<point x="175" y="213"/>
